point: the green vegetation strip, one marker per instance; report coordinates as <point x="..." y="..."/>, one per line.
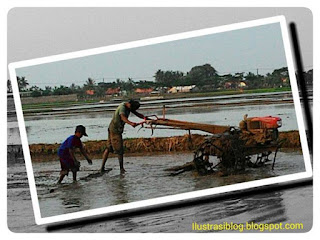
<point x="47" y="106"/>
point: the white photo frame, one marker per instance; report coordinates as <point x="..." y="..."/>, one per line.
<point x="172" y="198"/>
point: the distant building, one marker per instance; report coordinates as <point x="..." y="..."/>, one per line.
<point x="160" y="90"/>
<point x="90" y="92"/>
<point x="230" y="85"/>
<point x="184" y="89"/>
<point x="143" y="90"/>
<point x="242" y="84"/>
<point x="227" y="85"/>
<point x="113" y="91"/>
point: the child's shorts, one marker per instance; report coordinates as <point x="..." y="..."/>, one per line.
<point x="67" y="164"/>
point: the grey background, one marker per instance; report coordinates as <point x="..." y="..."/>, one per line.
<point x="252" y="49"/>
<point x="40" y="32"/>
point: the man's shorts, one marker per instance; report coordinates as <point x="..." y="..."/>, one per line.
<point x="67" y="164"/>
<point x="115" y="142"/>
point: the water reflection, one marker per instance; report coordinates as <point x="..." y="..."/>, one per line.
<point x="267" y="207"/>
<point x="259" y="208"/>
<point x="74" y="197"/>
<point x="118" y="186"/>
<point x="216" y="180"/>
<point x="126" y="224"/>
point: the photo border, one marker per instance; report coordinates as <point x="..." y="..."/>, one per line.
<point x="156" y="202"/>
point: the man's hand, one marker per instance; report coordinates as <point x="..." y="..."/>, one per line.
<point x="134" y="124"/>
<point x="149" y="122"/>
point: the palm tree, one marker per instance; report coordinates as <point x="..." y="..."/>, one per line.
<point x="89" y="83"/>
<point x="47" y="91"/>
<point x="9" y="86"/>
<point x="22" y="83"/>
<point x="159" y="76"/>
<point x="35" y="91"/>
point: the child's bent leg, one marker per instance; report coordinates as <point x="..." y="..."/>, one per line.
<point x="60" y="179"/>
<point x="62" y="174"/>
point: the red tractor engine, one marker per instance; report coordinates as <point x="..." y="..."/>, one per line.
<point x="265" y="128"/>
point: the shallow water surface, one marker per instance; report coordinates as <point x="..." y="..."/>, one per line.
<point x="293" y="205"/>
<point x="145" y="178"/>
<point x="56" y="129"/>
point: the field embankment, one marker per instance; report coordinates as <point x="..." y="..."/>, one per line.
<point x="156" y="145"/>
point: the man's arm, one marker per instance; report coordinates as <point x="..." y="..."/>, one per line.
<point x="138" y="114"/>
<point x="126" y="120"/>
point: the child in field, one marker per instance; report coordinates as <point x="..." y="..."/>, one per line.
<point x="66" y="153"/>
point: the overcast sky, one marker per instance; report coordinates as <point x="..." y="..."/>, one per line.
<point x="251" y="49"/>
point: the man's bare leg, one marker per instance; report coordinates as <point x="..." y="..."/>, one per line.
<point x="104" y="159"/>
<point x="120" y="158"/>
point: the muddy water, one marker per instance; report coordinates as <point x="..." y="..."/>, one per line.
<point x="55" y="129"/>
<point x="13" y="133"/>
<point x="145" y="179"/>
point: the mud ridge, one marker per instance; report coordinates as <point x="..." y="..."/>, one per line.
<point x="153" y="145"/>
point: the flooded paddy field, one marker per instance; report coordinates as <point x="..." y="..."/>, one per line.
<point x="146" y="179"/>
<point x="172" y="102"/>
<point x="55" y="129"/>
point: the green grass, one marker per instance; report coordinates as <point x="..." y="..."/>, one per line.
<point x="227" y="92"/>
<point x="48" y="106"/>
<point x="55" y="104"/>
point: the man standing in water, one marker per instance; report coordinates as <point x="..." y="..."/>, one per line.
<point x="115" y="130"/>
<point x="66" y="153"/>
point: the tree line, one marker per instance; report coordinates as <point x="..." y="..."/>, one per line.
<point x="205" y="77"/>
